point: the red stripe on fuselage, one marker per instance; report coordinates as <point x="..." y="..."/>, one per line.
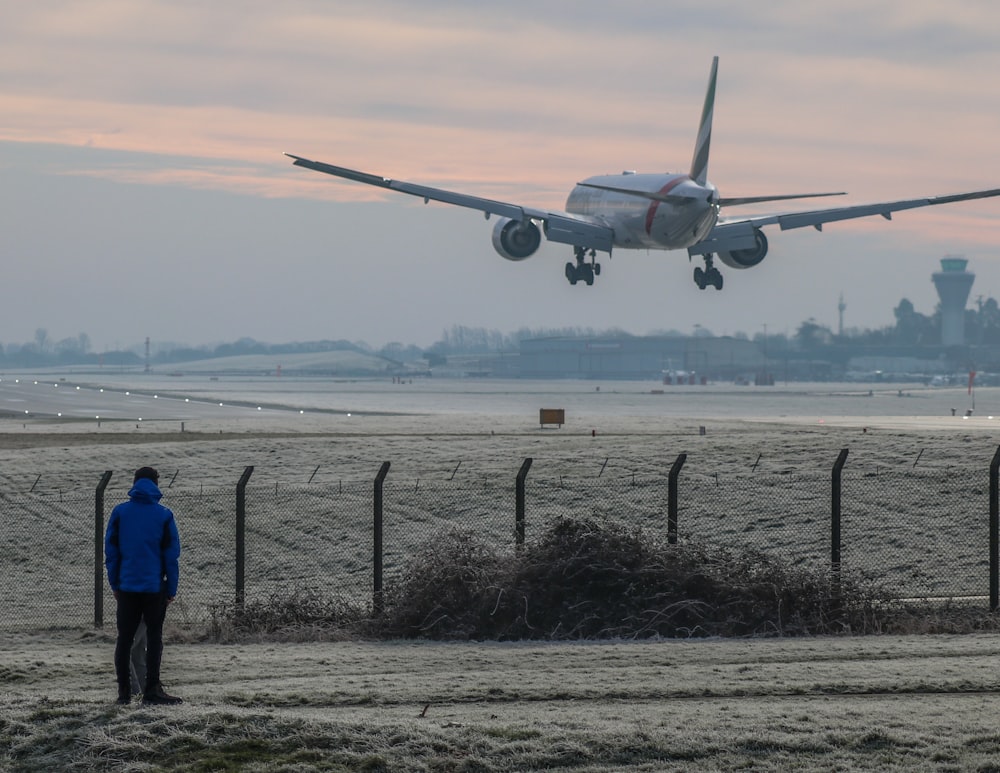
<point x="651" y="212"/>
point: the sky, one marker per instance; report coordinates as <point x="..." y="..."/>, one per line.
<point x="143" y="190"/>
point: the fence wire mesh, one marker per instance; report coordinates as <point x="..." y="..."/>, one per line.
<point x="920" y="533"/>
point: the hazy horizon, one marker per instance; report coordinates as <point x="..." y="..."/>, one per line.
<point x="52" y="343"/>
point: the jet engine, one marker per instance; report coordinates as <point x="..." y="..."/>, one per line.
<point x="516" y="239"/>
<point x="749" y="257"/>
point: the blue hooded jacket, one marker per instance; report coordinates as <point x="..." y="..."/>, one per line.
<point x="141" y="544"/>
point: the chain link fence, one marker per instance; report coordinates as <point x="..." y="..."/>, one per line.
<point x="921" y="534"/>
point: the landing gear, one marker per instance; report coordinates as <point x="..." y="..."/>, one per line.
<point x="710" y="275"/>
<point x="581" y="270"/>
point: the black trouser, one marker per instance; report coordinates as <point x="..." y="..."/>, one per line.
<point x="133" y="607"/>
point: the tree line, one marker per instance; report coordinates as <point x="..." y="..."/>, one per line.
<point x="910" y="329"/>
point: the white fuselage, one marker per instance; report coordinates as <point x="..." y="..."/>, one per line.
<point x="639" y="222"/>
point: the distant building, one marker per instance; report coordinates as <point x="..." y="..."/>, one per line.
<point x="646" y="357"/>
<point x="953" y="284"/>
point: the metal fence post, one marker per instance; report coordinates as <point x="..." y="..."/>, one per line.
<point x="835" y="519"/>
<point x="522" y="475"/>
<point x="995" y="531"/>
<point x="377" y="598"/>
<point x="99" y="549"/>
<point x="675" y="471"/>
<point x="241" y="528"/>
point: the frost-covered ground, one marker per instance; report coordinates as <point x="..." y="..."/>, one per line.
<point x="875" y="703"/>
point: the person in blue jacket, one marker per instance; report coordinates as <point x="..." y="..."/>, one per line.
<point x="141" y="551"/>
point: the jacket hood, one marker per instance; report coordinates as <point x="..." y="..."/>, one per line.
<point x="144" y="490"/>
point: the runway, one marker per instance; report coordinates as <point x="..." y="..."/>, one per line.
<point x="62" y="400"/>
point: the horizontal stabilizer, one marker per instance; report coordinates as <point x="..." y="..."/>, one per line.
<point x="736" y="201"/>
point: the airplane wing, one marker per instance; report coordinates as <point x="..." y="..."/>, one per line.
<point x="818" y="217"/>
<point x="738" y="232"/>
<point x="559" y="226"/>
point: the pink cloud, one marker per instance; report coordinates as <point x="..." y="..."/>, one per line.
<point x="441" y="96"/>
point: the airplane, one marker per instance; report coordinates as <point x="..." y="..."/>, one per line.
<point x="646" y="211"/>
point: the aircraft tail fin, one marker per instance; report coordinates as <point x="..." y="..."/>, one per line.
<point x="699" y="164"/>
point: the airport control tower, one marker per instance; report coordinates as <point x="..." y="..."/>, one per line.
<point x="953" y="284"/>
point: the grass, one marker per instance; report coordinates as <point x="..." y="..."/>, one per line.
<point x="302" y="685"/>
<point x="607" y="653"/>
<point x="860" y="703"/>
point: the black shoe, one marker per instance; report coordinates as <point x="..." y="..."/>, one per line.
<point x="124" y="697"/>
<point x="158" y="696"/>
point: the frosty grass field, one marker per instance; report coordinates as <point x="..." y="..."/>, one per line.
<point x="918" y="702"/>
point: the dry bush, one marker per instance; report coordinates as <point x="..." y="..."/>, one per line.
<point x="586" y="580"/>
<point x="444" y="589"/>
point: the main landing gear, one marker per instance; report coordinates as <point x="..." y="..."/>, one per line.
<point x="581" y="270"/>
<point x="710" y="275"/>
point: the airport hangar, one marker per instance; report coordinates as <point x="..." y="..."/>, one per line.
<point x="628" y="357"/>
